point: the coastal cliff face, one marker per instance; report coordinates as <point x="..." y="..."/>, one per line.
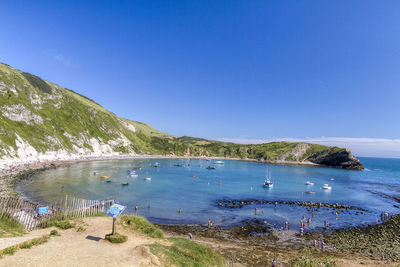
<point x="336" y="157"/>
<point x="40" y="120"/>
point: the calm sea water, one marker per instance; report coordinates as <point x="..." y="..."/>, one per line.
<point x="173" y="188"/>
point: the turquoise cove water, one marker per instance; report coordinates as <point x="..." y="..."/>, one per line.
<point x="196" y="190"/>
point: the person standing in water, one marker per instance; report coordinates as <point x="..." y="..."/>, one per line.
<point x="136" y="210"/>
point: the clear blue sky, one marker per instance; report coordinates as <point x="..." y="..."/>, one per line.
<point x="220" y="69"/>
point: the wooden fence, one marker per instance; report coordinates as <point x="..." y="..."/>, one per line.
<point x="26" y="213"/>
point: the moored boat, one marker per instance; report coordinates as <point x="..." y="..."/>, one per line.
<point x="210" y="168"/>
<point x="147" y="179"/>
<point x="309" y="183"/>
<point x="219" y="162"/>
<point x="157" y="164"/>
<point x="326" y="187"/>
<point x="268" y="183"/>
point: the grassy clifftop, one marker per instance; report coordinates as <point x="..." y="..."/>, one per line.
<point x="39" y="119"/>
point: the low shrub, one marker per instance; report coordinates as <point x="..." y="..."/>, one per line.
<point x="35" y="242"/>
<point x="8" y="251"/>
<point x="116" y="238"/>
<point x="63" y="224"/>
<point x="54" y="233"/>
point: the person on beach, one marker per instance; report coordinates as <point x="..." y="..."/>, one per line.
<point x="255" y="211"/>
<point x="287" y="225"/>
<point x="322" y="245"/>
<point x="262" y="211"/>
<point x="315" y="243"/>
<point x="62" y="188"/>
<point x="274" y="263"/>
<point x="180" y="211"/>
<point x="136" y="210"/>
<point x="209" y="223"/>
<point x="190" y="236"/>
<point x="301" y="231"/>
<point x="309" y="222"/>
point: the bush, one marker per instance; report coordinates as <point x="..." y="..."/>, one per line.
<point x="35" y="242"/>
<point x="135" y="223"/>
<point x="9" y="251"/>
<point x="54" y="233"/>
<point x="116" y="238"/>
<point x="63" y="224"/>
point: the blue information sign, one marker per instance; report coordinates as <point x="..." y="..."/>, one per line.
<point x="115" y="210"/>
<point x="43" y="210"/>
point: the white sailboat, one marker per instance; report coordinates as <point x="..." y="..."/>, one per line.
<point x="268" y="183"/>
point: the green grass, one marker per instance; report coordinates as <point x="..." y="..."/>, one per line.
<point x="36" y="241"/>
<point x="184" y="252"/>
<point x="8" y="251"/>
<point x="141" y="225"/>
<point x="10" y="226"/>
<point x="59" y="222"/>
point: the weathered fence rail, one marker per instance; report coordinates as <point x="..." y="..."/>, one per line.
<point x="27" y="213"/>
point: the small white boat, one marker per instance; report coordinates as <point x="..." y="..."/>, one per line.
<point x="219" y="162"/>
<point x="309" y="183"/>
<point x="134" y="175"/>
<point x="147" y="178"/>
<point x="156" y="164"/>
<point x="326" y="187"/>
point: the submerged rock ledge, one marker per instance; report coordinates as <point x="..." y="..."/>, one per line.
<point x="240" y="203"/>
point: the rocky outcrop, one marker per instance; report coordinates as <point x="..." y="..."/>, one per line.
<point x="296" y="153"/>
<point x="336" y="157"/>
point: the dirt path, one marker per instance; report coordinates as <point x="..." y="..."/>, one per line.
<point x="86" y="248"/>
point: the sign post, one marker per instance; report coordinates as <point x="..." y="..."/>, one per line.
<point x="114" y="211"/>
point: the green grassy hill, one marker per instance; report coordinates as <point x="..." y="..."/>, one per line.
<point x="42" y="119"/>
